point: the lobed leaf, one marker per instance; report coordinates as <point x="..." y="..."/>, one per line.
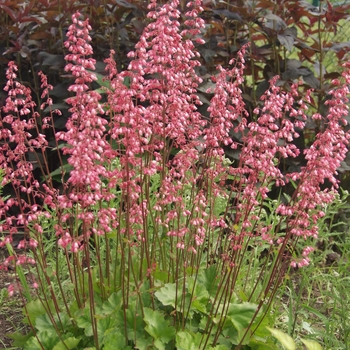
<point x="159" y="328"/>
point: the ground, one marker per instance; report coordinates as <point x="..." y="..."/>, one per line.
<point x="11" y="314"/>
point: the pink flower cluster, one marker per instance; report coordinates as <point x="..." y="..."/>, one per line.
<point x="147" y="157"/>
<point x="323" y="159"/>
<point x="85" y="136"/>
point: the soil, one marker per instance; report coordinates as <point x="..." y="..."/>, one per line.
<point x="10" y="317"/>
<point x="11" y="308"/>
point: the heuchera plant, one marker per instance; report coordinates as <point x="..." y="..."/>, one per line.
<point x="147" y="236"/>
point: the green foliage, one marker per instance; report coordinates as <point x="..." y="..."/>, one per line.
<point x="292" y="39"/>
<point x="317" y="302"/>
<point x="154" y="328"/>
<point x="158" y="328"/>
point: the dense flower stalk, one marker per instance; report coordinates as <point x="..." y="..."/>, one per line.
<point x="323" y="159"/>
<point x="87" y="146"/>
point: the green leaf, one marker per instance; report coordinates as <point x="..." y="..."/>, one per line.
<point x="311" y="344"/>
<point x="104" y="325"/>
<point x="157" y="326"/>
<point x="83" y="320"/>
<point x="145" y="294"/>
<point x="114" y="340"/>
<point x="48" y="340"/>
<point x="218" y="347"/>
<point x="134" y="322"/>
<point x="32" y="344"/>
<point x="161" y="276"/>
<point x="66" y="168"/>
<point x="255" y="344"/>
<point x="100" y="91"/>
<point x="158" y="344"/>
<point x="167" y="294"/>
<point x="220" y="205"/>
<point x="127" y="81"/>
<point x="283" y="338"/>
<point x="200" y="296"/>
<point x="19" y="339"/>
<point x="241" y="314"/>
<point x="33" y="309"/>
<point x="262" y="321"/>
<point x="24" y="282"/>
<point x="209" y="279"/>
<point x="69" y="343"/>
<point x="230" y="334"/>
<point x="59" y="106"/>
<point x="44" y="322"/>
<point x="113" y="303"/>
<point x="143" y="343"/>
<point x="187" y="340"/>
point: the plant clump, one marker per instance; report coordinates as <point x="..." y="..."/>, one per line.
<point x="147" y="234"/>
